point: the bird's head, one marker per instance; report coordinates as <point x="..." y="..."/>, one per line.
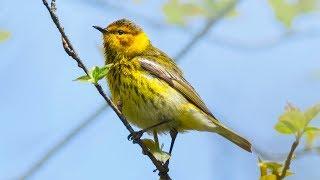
<point x="124" y="37"/>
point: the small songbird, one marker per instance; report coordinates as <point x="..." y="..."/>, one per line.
<point x="150" y="90"/>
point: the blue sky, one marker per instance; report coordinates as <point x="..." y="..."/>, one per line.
<point x="246" y="89"/>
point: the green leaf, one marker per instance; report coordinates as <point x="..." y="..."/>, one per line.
<point x="95" y="74"/>
<point x="156" y="150"/>
<point x="269" y="177"/>
<point x="311" y="133"/>
<point x="285" y="127"/>
<point x="273" y="166"/>
<point x="4" y="35"/>
<point x="263" y="168"/>
<point x="286" y="11"/>
<point x="312" y="112"/>
<point x="270" y="170"/>
<point x="214" y="7"/>
<point x="312" y="129"/>
<point x="104" y="71"/>
<point x="292" y="121"/>
<point x="178" y="12"/>
<point x="83" y="78"/>
<point x="288" y="173"/>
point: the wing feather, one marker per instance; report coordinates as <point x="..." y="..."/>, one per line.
<point x="176" y="81"/>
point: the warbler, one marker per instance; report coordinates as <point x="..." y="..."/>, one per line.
<point x="150" y="88"/>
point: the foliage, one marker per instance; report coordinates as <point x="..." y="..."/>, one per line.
<point x="157" y="152"/>
<point x="292" y="122"/>
<point x="271" y="170"/>
<point x="95" y="74"/>
<point x="4" y="35"/>
<point x="179" y="13"/>
<point x="311" y="137"/>
<point x="287" y="10"/>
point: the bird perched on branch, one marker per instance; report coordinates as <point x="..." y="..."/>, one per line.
<point x="150" y="88"/>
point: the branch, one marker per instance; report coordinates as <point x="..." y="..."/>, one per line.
<point x="289" y="158"/>
<point x="228" y="42"/>
<point x="58" y="146"/>
<point x="281" y="156"/>
<point x="211" y="21"/>
<point x="264" y="43"/>
<point x="195" y="38"/>
<point x="163" y="171"/>
<point x="87" y="122"/>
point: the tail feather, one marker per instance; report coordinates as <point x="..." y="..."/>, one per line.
<point x="232" y="136"/>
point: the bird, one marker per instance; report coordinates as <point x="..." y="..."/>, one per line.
<point x="150" y="89"/>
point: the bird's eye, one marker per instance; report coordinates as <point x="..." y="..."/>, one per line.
<point x="120" y="32"/>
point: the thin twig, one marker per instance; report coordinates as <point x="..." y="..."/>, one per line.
<point x="79" y="128"/>
<point x="289" y="158"/>
<point x="58" y="146"/>
<point x="228" y="42"/>
<point x="263" y="44"/>
<point x="163" y="171"/>
<point x="281" y="156"/>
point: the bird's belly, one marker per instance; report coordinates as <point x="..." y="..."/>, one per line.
<point x="147" y="101"/>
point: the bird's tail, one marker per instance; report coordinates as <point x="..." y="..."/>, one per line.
<point x="231" y="136"/>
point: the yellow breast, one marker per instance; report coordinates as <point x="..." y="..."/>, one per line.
<point x="145" y="100"/>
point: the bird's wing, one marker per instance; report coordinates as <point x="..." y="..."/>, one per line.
<point x="176" y="81"/>
<point x="158" y="56"/>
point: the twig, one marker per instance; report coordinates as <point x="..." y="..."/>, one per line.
<point x="265" y="43"/>
<point x="228" y="42"/>
<point x="79" y="128"/>
<point x="289" y="158"/>
<point x="163" y="171"/>
<point x="58" y="146"/>
<point x="281" y="156"/>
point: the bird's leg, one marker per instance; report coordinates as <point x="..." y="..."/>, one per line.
<point x="155" y="137"/>
<point x="173" y="134"/>
<point x="138" y="134"/>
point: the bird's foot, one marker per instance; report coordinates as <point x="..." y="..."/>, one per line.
<point x="135" y="136"/>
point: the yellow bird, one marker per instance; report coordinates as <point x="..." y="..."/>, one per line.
<point x="150" y="90"/>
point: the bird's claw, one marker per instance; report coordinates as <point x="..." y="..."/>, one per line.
<point x="135" y="136"/>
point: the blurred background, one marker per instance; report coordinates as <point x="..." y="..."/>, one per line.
<point x="246" y="62"/>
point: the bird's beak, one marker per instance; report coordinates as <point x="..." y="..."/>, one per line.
<point x="100" y="29"/>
